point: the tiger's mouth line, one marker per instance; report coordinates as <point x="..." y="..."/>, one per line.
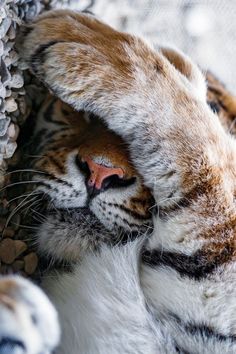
<point x="84" y="216"/>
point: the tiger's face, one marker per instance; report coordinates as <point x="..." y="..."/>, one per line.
<point x="95" y="194"/>
<point x="85" y="171"/>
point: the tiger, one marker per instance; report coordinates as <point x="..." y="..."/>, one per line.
<point x="135" y="154"/>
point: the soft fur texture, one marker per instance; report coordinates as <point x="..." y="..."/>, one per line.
<point x="29" y="323"/>
<point x="129" y="291"/>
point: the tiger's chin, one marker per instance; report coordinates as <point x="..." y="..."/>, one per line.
<point x="67" y="234"/>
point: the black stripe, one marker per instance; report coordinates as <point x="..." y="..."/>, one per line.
<point x="202" y="330"/>
<point x="48" y="137"/>
<point x="131" y="225"/>
<point x="48" y="114"/>
<point x="26" y="30"/>
<point x="218" y="92"/>
<point x="51" y="177"/>
<point x="132" y="213"/>
<point x="180" y="350"/>
<point x="196" y="266"/>
<point x="214" y="90"/>
<point x="186" y="200"/>
<point x="166" y="212"/>
<point x="214" y="106"/>
<point x="38" y="57"/>
<point x="125" y="237"/>
<point x="56" y="163"/>
<point x="37" y="140"/>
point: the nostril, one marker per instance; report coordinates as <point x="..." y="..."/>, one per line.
<point x="100" y="177"/>
<point x="98" y="173"/>
<point x="116" y="182"/>
<point x="110" y="182"/>
<point x="11" y="346"/>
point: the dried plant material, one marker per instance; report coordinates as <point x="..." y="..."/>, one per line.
<point x="13" y="105"/>
<point x="7" y="251"/>
<point x="16" y="253"/>
<point x="31" y="262"/>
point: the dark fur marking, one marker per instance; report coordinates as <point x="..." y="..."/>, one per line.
<point x="180" y="350"/>
<point x="47" y="114"/>
<point x="166" y="212"/>
<point x="217" y="92"/>
<point x="214" y="106"/>
<point x="60" y="167"/>
<point x="11" y="345"/>
<point x="197" y="266"/>
<point x="26" y="30"/>
<point x="131" y="225"/>
<point x="128" y="237"/>
<point x="202" y="188"/>
<point x="65" y="112"/>
<point x="38" y="139"/>
<point x="132" y="213"/>
<point x="202" y="330"/>
<point x="158" y="67"/>
<point x="51" y="177"/>
<point x="49" y="136"/>
<point x="38" y="57"/>
<point x="154" y="149"/>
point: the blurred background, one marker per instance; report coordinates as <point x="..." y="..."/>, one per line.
<point x="205" y="29"/>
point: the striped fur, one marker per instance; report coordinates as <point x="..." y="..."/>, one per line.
<point x="61" y="142"/>
<point x="174" y="291"/>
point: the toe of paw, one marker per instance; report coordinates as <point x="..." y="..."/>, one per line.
<point x="38" y="57"/>
<point x="11" y="346"/>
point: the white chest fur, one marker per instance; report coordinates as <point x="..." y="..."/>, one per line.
<point x="101" y="305"/>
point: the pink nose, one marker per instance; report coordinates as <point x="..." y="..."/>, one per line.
<point x="98" y="173"/>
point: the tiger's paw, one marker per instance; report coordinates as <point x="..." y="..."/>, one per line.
<point x="78" y="57"/>
<point x="93" y="67"/>
<point x="28" y="321"/>
<point x="114" y="75"/>
<point x="62" y="40"/>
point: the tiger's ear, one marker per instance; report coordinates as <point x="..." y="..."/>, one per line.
<point x="186" y="67"/>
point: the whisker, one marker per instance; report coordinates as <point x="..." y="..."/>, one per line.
<point x="37" y="201"/>
<point x="21" y="196"/>
<point x="17" y="183"/>
<point x="232" y="125"/>
<point x="21" y="205"/>
<point x="25" y="170"/>
<point x="36" y="156"/>
<point x="167" y="200"/>
<point x="28" y="227"/>
<point x="41" y="217"/>
<point x="40" y="214"/>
